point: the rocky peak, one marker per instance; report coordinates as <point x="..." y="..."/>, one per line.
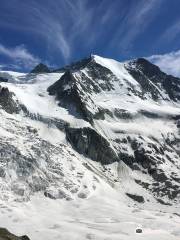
<point x="147" y="68"/>
<point x="69" y="93"/>
<point x="74" y="89"/>
<point x="75" y="66"/>
<point x="144" y="64"/>
<point x="152" y="80"/>
<point x="41" y="68"/>
<point x="60" y="86"/>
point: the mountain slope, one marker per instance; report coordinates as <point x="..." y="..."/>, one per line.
<point x="100" y="130"/>
<point x="122" y="98"/>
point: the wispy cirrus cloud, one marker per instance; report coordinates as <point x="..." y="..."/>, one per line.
<point x="136" y="20"/>
<point x="58" y="24"/>
<point x="62" y="25"/>
<point x="169" y="62"/>
<point x="171" y="33"/>
<point x="63" y="30"/>
<point x="19" y="56"/>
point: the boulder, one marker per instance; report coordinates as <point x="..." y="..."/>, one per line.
<point x="138" y="230"/>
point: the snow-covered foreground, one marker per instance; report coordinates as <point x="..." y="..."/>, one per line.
<point x="102" y="217"/>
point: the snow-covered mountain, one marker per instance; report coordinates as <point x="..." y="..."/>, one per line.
<point x="97" y="141"/>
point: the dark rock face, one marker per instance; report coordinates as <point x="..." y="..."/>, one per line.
<point x="7" y="102"/>
<point x="149" y="158"/>
<point x="67" y="92"/>
<point x="75" y="66"/>
<point x="99" y="77"/>
<point x="152" y="80"/>
<point x="150" y="69"/>
<point x="91" y="144"/>
<point x="2" y="79"/>
<point x="6" y="235"/>
<point x="41" y="68"/>
<point x="74" y="92"/>
<point x="162" y="202"/>
<point x="136" y="198"/>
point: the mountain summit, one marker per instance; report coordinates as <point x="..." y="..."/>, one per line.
<point x="41" y="68"/>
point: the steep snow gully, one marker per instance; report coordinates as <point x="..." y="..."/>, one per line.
<point x="90" y="151"/>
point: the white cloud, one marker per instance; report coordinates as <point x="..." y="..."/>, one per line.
<point x="169" y="62"/>
<point x="19" y="55"/>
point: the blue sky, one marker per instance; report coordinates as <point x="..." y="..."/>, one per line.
<point x="58" y="32"/>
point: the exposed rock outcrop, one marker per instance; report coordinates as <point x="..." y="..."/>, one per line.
<point x="73" y="91"/>
<point x="6" y="235"/>
<point x="2" y="79"/>
<point x="68" y="94"/>
<point x="136" y="198"/>
<point x="153" y="80"/>
<point x="75" y="65"/>
<point x="7" y="102"/>
<point x="91" y="144"/>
